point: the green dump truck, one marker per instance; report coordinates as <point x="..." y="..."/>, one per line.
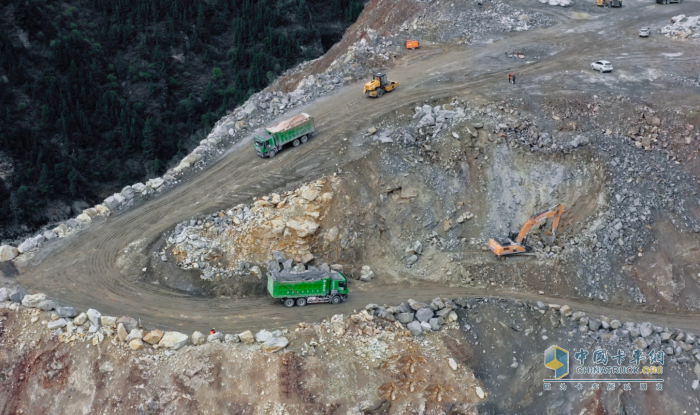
<point x="295" y="130"/>
<point x="307" y="287"/>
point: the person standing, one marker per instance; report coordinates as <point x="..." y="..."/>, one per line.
<point x="510" y="78"/>
<point x="513" y="77"/>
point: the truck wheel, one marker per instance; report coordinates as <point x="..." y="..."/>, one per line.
<point x="289" y="302"/>
<point x="301" y="301"/>
<point x="271" y="153"/>
<point x="380" y="91"/>
<point x="304" y="138"/>
<point x="335" y="300"/>
<point x="296" y="143"/>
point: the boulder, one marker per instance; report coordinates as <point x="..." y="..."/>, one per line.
<point x="415" y="305"/>
<point x="84" y="218"/>
<point x="273" y="266"/>
<point x="173" y="340"/>
<point x="641" y="343"/>
<point x="27" y="245"/>
<point x="452" y="316"/>
<point x="4" y="294"/>
<point x="452" y="363"/>
<point x="94" y="316"/>
<point x="405" y="318"/>
<point x="425" y="326"/>
<point x="434" y="324"/>
<point x="309" y="194"/>
<point x="645" y="329"/>
<point x="615" y="324"/>
<point x="578" y="315"/>
<point x="48" y="305"/>
<point x="122" y="334"/>
<point x="139" y="187"/>
<point x="33" y="300"/>
<point x="366" y="274"/>
<point x="415" y="328"/>
<point x="8" y="253"/>
<point x="127" y="192"/>
<point x="112" y="203"/>
<point x="155" y="183"/>
<point x="385" y="314"/>
<point x="153" y="337"/>
<point x="279" y="256"/>
<point x="67" y="312"/>
<point x="198" y="338"/>
<point x="108" y="321"/>
<point x="424" y="314"/>
<point x="247" y="337"/>
<point x="136" y="344"/>
<point x="129" y="323"/>
<point x="303" y="226"/>
<point x="274" y="344"/>
<point x="411" y="260"/>
<point x="57" y="324"/>
<point x="102" y="210"/>
<point x="263" y="335"/>
<point x="437" y="304"/>
<point x="216" y="337"/>
<point x="134" y="334"/>
<point x="232" y="338"/>
<point x="81" y="319"/>
<point x="18" y="295"/>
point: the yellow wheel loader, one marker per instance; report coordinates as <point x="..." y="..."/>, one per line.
<point x="378" y="85"/>
<point x="513" y="244"/>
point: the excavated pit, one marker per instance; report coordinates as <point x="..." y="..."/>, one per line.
<point x="473" y="189"/>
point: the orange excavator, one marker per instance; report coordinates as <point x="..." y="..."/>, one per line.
<point x="513" y="244"/>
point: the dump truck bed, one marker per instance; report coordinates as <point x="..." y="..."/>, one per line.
<point x="293" y="285"/>
<point x="288" y="123"/>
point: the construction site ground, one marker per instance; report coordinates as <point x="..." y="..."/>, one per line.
<point x="112" y="267"/>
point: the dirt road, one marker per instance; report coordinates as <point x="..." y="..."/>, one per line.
<point x="83" y="270"/>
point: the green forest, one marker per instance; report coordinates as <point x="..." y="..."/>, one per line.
<point x="98" y="94"/>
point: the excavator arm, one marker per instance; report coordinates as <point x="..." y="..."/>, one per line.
<point x="555" y="211"/>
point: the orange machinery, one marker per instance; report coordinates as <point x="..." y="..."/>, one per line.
<point x="513" y="244"/>
<point x="412" y="44"/>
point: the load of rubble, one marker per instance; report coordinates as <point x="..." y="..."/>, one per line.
<point x="682" y="27"/>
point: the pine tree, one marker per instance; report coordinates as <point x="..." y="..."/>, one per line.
<point x="72" y="181"/>
<point x="148" y="145"/>
<point x="43" y="184"/>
